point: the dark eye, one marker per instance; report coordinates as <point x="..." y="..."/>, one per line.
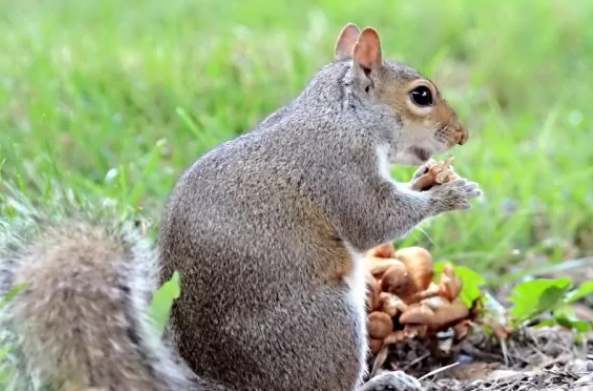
<point x="421" y="96"/>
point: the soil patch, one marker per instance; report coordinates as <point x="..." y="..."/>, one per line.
<point x="550" y="359"/>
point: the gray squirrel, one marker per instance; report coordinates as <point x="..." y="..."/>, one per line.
<point x="266" y="231"/>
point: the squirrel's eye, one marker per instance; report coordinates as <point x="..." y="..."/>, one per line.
<point x="421" y="96"/>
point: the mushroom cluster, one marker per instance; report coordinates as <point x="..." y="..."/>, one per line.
<point x="403" y="300"/>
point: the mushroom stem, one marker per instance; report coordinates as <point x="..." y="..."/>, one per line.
<point x="391" y="304"/>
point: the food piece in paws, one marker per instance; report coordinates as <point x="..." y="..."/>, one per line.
<point x="437" y="174"/>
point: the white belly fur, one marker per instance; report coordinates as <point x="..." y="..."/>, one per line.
<point x="357" y="298"/>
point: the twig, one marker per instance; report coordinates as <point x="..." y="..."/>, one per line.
<point x="558" y="373"/>
<point x="552" y="362"/>
<point x="438" y="371"/>
<point x="416" y="361"/>
<point x="505" y="351"/>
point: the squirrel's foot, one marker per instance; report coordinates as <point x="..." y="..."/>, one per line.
<point x="392" y="381"/>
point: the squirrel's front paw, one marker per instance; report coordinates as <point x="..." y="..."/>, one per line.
<point x="392" y="381"/>
<point x="422" y="170"/>
<point x="455" y="195"/>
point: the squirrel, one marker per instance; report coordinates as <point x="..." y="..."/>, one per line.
<point x="267" y="232"/>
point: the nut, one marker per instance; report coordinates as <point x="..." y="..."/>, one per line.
<point x="436" y="174"/>
<point x="379" y="325"/>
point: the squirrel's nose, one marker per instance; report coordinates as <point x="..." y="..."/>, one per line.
<point x="463" y="136"/>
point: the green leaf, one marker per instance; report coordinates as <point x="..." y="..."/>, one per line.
<point x="565" y="310"/>
<point x="472" y="282"/>
<point x="574" y="324"/>
<point x="585" y="289"/>
<point x="535" y="297"/>
<point x="11" y="294"/>
<point x="162" y="301"/>
<point x="565" y="316"/>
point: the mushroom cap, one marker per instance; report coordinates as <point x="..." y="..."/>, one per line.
<point x="378" y="266"/>
<point x="417" y="314"/>
<point x="373" y="293"/>
<point x="419" y="264"/>
<point x="384" y="250"/>
<point x="379" y="325"/>
<point x="450" y="284"/>
<point x="396" y="280"/>
<point x="436" y="302"/>
<point x="449" y="315"/>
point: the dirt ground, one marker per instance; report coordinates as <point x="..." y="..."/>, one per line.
<point x="535" y="359"/>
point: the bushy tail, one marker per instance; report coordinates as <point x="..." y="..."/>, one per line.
<point x="81" y="319"/>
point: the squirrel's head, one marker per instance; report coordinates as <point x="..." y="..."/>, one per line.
<point x="424" y="124"/>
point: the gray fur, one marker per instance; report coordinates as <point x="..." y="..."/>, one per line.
<point x="81" y="320"/>
<point x="262" y="230"/>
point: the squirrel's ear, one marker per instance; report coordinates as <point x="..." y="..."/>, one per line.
<point x="346" y="40"/>
<point x="367" y="50"/>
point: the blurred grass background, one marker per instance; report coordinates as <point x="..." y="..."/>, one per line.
<point x="114" y="99"/>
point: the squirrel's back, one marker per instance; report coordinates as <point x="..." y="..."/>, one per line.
<point x="81" y="318"/>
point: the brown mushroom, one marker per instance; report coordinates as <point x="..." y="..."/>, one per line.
<point x="385" y="250"/>
<point x="450" y="284"/>
<point x="391" y="304"/>
<point x="378" y="266"/>
<point x="375" y="345"/>
<point x="395" y="337"/>
<point x="373" y="292"/>
<point x="448" y="315"/>
<point x="379" y="325"/>
<point x="415" y="330"/>
<point x="436" y="302"/>
<point x="418" y="263"/>
<point x="433" y="290"/>
<point x="396" y="280"/>
<point x="417" y="314"/>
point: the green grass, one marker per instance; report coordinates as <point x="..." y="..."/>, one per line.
<point x="114" y="99"/>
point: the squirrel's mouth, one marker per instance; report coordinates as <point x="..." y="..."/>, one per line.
<point x="422" y="154"/>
